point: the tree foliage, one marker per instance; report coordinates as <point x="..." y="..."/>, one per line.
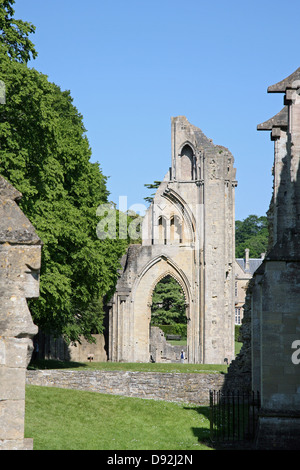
<point x="45" y="154"/>
<point x="153" y="185"/>
<point x="168" y="303"/>
<point x="251" y="233"/>
<point x="14" y="34"/>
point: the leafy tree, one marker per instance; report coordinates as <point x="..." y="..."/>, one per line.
<point x="45" y="154"/>
<point x="14" y="34"/>
<point x="168" y="303"/>
<point x="251" y="233"/>
<point x="153" y="185"/>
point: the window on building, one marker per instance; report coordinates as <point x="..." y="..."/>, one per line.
<point x="186" y="163"/>
<point x="162" y="231"/>
<point x="238" y="315"/>
<point x="175" y="229"/>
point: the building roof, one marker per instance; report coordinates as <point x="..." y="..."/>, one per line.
<point x="289" y="82"/>
<point x="279" y="120"/>
<point x="254" y="263"/>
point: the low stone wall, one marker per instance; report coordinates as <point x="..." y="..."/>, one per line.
<point x="177" y="387"/>
<point x="57" y="348"/>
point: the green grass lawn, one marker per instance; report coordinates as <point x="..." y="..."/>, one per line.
<point x="134" y="367"/>
<point x="59" y="419"/>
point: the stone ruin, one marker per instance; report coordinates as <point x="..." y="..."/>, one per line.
<point x="201" y="259"/>
<point x="187" y="233"/>
<point x="276" y="290"/>
<point x="269" y="361"/>
<point x="161" y="350"/>
<point x="20" y="258"/>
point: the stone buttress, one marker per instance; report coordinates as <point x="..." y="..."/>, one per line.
<point x="275" y="307"/>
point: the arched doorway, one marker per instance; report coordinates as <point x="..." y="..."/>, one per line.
<point x="168" y="303"/>
<point x="168" y="325"/>
<point x="142" y="293"/>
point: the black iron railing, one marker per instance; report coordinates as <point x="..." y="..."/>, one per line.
<point x="233" y="415"/>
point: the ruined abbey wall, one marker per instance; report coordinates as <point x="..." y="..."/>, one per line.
<point x="269" y="360"/>
<point x="188" y="233"/>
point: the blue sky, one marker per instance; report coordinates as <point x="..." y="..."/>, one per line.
<point x="131" y="65"/>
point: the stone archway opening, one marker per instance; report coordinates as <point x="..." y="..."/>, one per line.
<point x="168" y="324"/>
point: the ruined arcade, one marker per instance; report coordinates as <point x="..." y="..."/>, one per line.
<point x="187" y="233"/>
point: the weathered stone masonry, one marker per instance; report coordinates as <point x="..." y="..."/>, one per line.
<point x="188" y="233"/>
<point x="177" y="387"/>
<point x="276" y="290"/>
<point x="272" y="314"/>
<point x="20" y="257"/>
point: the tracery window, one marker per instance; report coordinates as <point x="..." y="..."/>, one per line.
<point x="175" y="229"/>
<point x="162" y="230"/>
<point x="186" y="158"/>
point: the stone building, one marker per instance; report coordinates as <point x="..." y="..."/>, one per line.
<point x="188" y="233"/>
<point x="244" y="270"/>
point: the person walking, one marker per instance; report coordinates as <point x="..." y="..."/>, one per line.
<point x="182" y="356"/>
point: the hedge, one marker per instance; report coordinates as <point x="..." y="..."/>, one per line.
<point x="178" y="329"/>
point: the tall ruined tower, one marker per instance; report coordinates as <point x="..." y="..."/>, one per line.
<point x="187" y="233"/>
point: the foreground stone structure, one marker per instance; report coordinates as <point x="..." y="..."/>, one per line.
<point x="20" y="257"/>
<point x="187" y="233"/>
<point x="276" y="290"/>
<point x="270" y="358"/>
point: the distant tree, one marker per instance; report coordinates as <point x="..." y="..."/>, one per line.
<point x="251" y="233"/>
<point x="153" y="185"/>
<point x="168" y="303"/>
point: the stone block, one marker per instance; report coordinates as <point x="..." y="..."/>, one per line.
<point x="278" y="433"/>
<point x="16" y="444"/>
<point x="12" y="413"/>
<point x="12" y="383"/>
<point x="14" y="352"/>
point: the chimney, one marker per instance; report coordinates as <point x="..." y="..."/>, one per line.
<point x="247" y="266"/>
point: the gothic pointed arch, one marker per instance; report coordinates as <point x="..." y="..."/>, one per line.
<point x="170" y="269"/>
<point x="187" y="143"/>
<point x="162" y="230"/>
<point x="188" y="221"/>
<point x="187" y="161"/>
<point x="179" y="278"/>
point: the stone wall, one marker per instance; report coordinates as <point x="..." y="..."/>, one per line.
<point x="177" y="387"/>
<point x="58" y="349"/>
<point x="161" y="350"/>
